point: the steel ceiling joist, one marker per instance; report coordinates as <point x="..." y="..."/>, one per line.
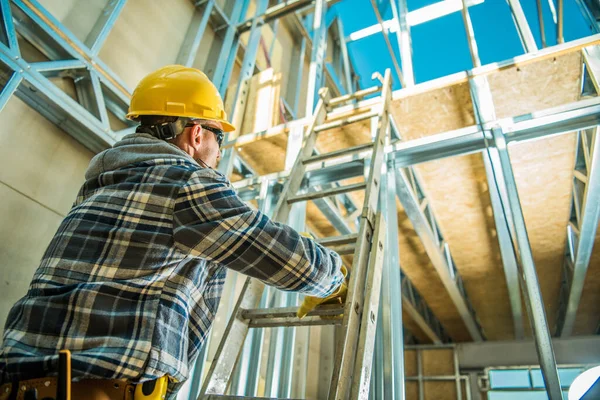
<point x="416" y="205"/>
<point x="505" y="180"/>
<point x="585" y="211"/>
<point x="484" y="112"/>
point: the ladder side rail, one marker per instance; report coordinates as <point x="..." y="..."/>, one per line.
<point x="345" y="350"/>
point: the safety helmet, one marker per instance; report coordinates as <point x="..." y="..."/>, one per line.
<point x="178" y="91"/>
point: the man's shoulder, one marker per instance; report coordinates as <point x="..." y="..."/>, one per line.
<point x="207" y="175"/>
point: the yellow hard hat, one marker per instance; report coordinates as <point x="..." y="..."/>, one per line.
<point x="178" y="91"/>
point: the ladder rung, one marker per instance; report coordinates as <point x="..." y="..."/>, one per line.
<point x="338" y="153"/>
<point x="344" y="250"/>
<point x="345" y="121"/>
<point x="289" y="312"/>
<point x="327" y="193"/>
<point x="356" y="95"/>
<point x="338" y="240"/>
<point x="294" y="321"/>
<point x="333" y="171"/>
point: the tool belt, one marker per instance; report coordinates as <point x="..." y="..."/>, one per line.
<point x="62" y="388"/>
<point x="87" y="389"/>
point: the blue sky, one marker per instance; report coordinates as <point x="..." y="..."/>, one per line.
<point x="440" y="46"/>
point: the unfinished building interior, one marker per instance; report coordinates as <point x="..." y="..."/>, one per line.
<point x="481" y="186"/>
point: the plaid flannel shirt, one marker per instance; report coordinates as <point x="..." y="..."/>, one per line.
<point x="132" y="279"/>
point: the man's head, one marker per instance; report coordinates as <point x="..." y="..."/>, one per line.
<point x="201" y="139"/>
<point x="181" y="105"/>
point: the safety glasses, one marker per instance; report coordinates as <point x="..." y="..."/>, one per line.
<point x="219" y="135"/>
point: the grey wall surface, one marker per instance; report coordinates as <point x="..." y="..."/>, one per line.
<point x="42" y="167"/>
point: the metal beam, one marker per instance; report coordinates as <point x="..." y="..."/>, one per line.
<point x="411" y="195"/>
<point x="414" y="305"/>
<point x="470" y="35"/>
<point x="503" y="174"/>
<point x="193" y="37"/>
<point x="391" y="303"/>
<point x="523" y="29"/>
<point x="576" y="350"/>
<point x="484" y="112"/>
<point x="581" y="232"/>
<point x="69" y="43"/>
<point x="571" y="117"/>
<point x="583" y="114"/>
<point x="400" y="16"/>
<point x="104" y="24"/>
<point x="345" y="58"/>
<point x="10" y="88"/>
<point x="388" y="44"/>
<point x="242" y="88"/>
<point x="9" y="27"/>
<point x="229" y="48"/>
<point x="41" y="94"/>
<point x="590" y="10"/>
<point x="317" y="58"/>
<point x="412" y="18"/>
<point x="282" y="9"/>
<point x="540" y="12"/>
<point x="585" y="212"/>
<point x="559" y="23"/>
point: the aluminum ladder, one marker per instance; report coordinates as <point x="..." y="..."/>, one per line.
<point x="358" y="317"/>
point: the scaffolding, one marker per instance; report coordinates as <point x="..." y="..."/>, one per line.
<point x="281" y="361"/>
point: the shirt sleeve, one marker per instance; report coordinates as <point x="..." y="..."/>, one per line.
<point x="212" y="222"/>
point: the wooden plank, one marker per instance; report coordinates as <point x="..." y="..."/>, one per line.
<point x="410" y="363"/>
<point x="438" y="362"/>
<point x="439" y="390"/>
<point x="411" y="390"/>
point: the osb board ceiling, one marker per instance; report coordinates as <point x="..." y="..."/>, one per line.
<point x="458" y="193"/>
<point x="436" y="111"/>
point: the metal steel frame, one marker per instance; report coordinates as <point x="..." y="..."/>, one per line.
<point x="100" y="91"/>
<point x="457" y="378"/>
<point x="400" y="16"/>
<point x="503" y="174"/>
<point x="585" y="211"/>
<point x="411" y="194"/>
<point x="484" y="112"/>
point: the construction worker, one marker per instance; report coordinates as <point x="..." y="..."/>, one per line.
<point x="131" y="281"/>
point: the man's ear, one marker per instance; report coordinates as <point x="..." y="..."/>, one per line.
<point x="195" y="136"/>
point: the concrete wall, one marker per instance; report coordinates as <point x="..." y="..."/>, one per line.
<point x="42" y="167"/>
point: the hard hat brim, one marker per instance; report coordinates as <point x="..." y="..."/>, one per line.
<point x="134" y="116"/>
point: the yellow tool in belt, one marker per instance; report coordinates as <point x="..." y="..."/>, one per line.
<point x="152" y="390"/>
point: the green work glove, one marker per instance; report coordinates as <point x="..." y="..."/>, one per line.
<point x="337" y="297"/>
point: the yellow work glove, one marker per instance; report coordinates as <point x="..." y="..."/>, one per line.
<point x="307" y="235"/>
<point x="337" y="297"/>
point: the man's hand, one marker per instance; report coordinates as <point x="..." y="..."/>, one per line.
<point x="337" y="297"/>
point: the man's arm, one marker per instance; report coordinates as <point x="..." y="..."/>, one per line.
<point x="212" y="222"/>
